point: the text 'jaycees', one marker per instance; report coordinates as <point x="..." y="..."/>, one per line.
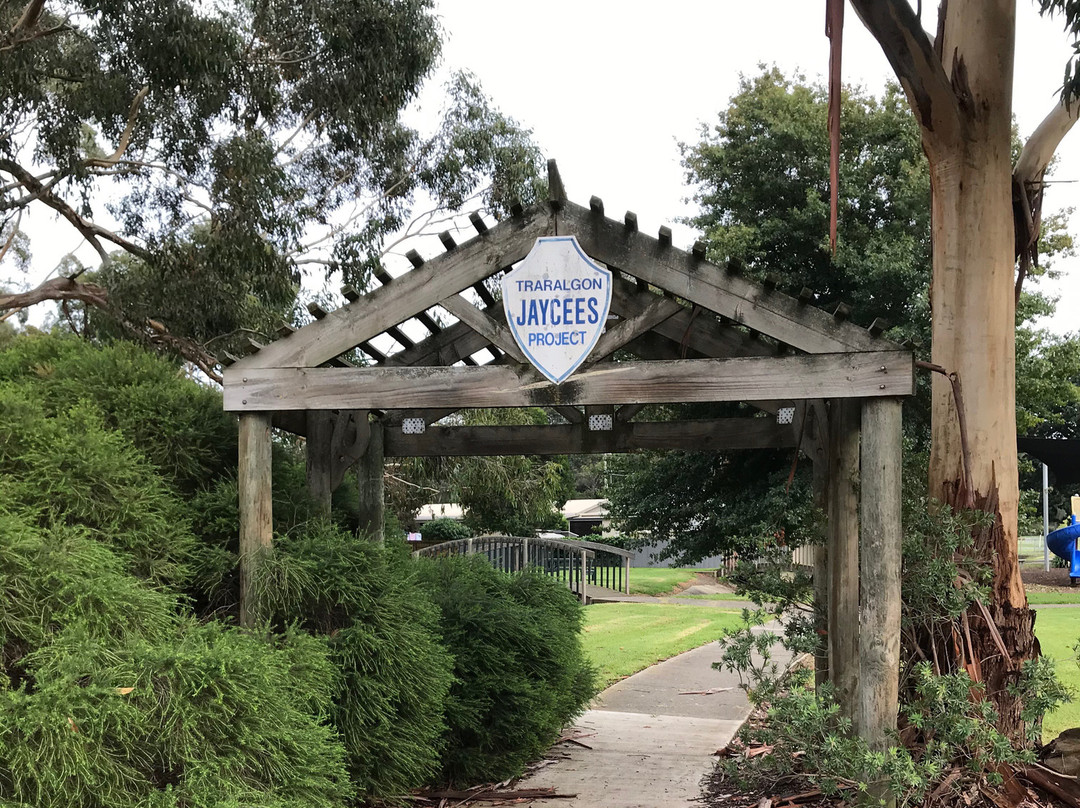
<point x="558" y="311"/>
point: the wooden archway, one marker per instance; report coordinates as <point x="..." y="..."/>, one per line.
<point x="697" y="332"/>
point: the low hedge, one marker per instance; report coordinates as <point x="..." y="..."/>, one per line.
<point x="520" y="674"/>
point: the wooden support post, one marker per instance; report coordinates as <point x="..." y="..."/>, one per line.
<point x="820" y="484"/>
<point x="879" y="570"/>
<point x="843" y="553"/>
<point x="626" y="575"/>
<point x="256" y="508"/>
<point x="370" y="473"/>
<point x="584" y="577"/>
<point x="318" y="451"/>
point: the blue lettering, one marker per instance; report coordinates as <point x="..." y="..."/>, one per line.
<point x="594" y="315"/>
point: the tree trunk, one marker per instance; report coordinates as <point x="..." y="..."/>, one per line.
<point x="960" y="88"/>
<point x="974" y="326"/>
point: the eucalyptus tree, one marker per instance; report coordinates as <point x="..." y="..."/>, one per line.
<point x="211" y="153"/>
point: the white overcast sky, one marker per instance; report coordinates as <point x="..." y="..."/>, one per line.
<point x="610" y="88"/>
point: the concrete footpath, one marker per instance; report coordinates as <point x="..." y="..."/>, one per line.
<point x="650" y="744"/>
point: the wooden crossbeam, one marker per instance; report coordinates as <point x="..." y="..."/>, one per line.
<point x="491" y="326"/>
<point x="418" y="290"/>
<point x="450" y="345"/>
<point x="727" y="294"/>
<point x="724" y="434"/>
<point x="853" y="375"/>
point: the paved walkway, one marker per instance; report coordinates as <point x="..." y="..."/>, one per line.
<point x="651" y="745"/>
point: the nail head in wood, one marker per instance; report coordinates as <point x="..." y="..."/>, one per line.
<point x="664" y="236"/>
<point x="477" y="221"/>
<point x="698" y="250"/>
<point x="596" y="205"/>
<point x="878" y="327"/>
<point x="630" y="221"/>
<point x="843" y="311"/>
<point x="447" y="240"/>
<point x="414" y="259"/>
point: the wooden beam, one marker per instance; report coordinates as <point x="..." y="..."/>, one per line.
<point x="256" y="503"/>
<point x="646" y="317"/>
<point x="371" y="486"/>
<point x="490" y="324"/>
<point x="317" y="451"/>
<point x="418" y="290"/>
<point x="843" y="554"/>
<point x="688" y="277"/>
<point x="452" y="344"/>
<point x="871" y="374"/>
<point x="571" y="414"/>
<point x="881" y="538"/>
<point x="722" y="434"/>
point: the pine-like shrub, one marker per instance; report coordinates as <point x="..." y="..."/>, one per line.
<point x="69" y="469"/>
<point x="445" y="530"/>
<point x="520" y="672"/>
<point x="382" y="636"/>
<point x="110" y="697"/>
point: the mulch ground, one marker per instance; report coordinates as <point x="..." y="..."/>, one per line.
<point x="1052" y="580"/>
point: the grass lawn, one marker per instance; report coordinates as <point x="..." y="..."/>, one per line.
<point x="658" y="580"/>
<point x="1058" y="631"/>
<point x="624" y="638"/>
<point x="1053" y="597"/>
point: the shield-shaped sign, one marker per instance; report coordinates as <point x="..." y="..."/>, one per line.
<point x="557" y="301"/>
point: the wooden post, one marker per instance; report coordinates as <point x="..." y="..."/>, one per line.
<point x="256" y="503"/>
<point x="318" y="448"/>
<point x="843" y="553"/>
<point x="821" y="566"/>
<point x="370" y="472"/>
<point x="584" y="577"/>
<point x="626" y="575"/>
<point x="879" y="569"/>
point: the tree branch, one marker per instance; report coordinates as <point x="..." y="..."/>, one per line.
<point x="125" y="137"/>
<point x="910" y="51"/>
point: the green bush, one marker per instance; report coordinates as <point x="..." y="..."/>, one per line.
<point x="382" y="636"/>
<point x="111" y="697"/>
<point x="445" y="530"/>
<point x="68" y="469"/>
<point x="520" y="672"/>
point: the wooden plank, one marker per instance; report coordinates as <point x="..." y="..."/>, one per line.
<point x="817" y="427"/>
<point x="645" y="318"/>
<point x="317" y="452"/>
<point x="255" y="501"/>
<point x="490" y="324"/>
<point x="698" y="281"/>
<point x="881" y="538"/>
<point x="843" y="554"/>
<point x="416" y="291"/>
<point x="571" y="414"/>
<point x="869" y="374"/>
<point x="371" y="486"/>
<point x="453" y="344"/>
<point x="723" y="434"/>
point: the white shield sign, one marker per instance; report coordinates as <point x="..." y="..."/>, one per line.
<point x="557" y="301"/>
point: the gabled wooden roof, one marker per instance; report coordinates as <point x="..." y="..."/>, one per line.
<point x="674" y="307"/>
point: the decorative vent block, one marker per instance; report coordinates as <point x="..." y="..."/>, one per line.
<point x="413" y="426"/>
<point x="601" y="423"/>
<point x="785" y="415"/>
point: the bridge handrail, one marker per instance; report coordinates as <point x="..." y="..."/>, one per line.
<point x="591" y="547"/>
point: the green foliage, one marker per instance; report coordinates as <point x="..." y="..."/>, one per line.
<point x="520" y="673"/>
<point x="445" y="530"/>
<point x="110" y="697"/>
<point x="70" y="470"/>
<point x="380" y="627"/>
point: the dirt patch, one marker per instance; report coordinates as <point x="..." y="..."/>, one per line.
<point x="1056" y="579"/>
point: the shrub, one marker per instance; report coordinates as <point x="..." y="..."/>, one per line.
<point x="445" y="530"/>
<point x="380" y="625"/>
<point x="520" y="672"/>
<point x="110" y="697"/>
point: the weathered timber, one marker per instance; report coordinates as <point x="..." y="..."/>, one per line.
<point x="420" y="289"/>
<point x="723" y="434"/>
<point x="255" y="501"/>
<point x="646" y="318"/>
<point x="627" y="412"/>
<point x="452" y="344"/>
<point x="394" y="418"/>
<point x="318" y="449"/>
<point x="843" y="553"/>
<point x="743" y="301"/>
<point x="881" y="536"/>
<point x="571" y="414"/>
<point x="371" y="485"/>
<point x="352" y="432"/>
<point x="490" y="324"/>
<point x="868" y="374"/>
<point x="818" y="426"/>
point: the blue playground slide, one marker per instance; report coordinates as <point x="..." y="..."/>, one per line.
<point x="1063" y="543"/>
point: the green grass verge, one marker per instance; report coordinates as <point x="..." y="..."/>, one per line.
<point x="1058" y="631"/>
<point x="624" y="638"/>
<point x="1053" y="597"/>
<point x="658" y="580"/>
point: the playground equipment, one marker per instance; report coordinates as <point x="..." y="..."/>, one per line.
<point x="1065" y="542"/>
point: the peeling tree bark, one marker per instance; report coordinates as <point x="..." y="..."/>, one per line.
<point x="960" y="89"/>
